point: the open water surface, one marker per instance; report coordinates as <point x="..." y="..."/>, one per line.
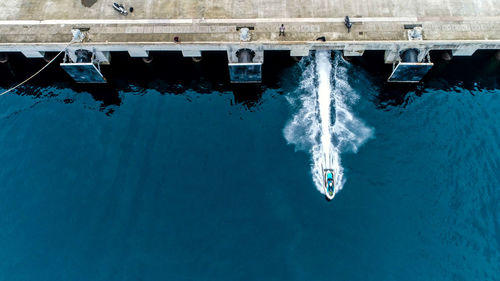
<point x="168" y="173"/>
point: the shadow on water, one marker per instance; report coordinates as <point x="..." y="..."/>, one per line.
<point x="472" y="72"/>
<point x="480" y="71"/>
<point x="171" y="73"/>
<point x="249" y="95"/>
<point x="167" y="73"/>
<point x="46" y="84"/>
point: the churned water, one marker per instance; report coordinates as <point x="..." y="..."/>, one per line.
<point x="312" y="129"/>
<point x="170" y="174"/>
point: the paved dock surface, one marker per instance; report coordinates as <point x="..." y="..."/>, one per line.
<point x="156" y="21"/>
<point x="241" y="9"/>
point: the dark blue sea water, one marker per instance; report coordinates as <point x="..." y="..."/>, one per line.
<point x="169" y="173"/>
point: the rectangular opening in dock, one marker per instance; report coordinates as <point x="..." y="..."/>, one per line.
<point x="409" y="72"/>
<point x="83" y="72"/>
<point x="245" y="72"/>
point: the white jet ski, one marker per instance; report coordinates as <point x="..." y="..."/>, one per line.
<point x="329" y="183"/>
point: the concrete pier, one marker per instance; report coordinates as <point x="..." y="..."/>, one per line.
<point x="34" y="27"/>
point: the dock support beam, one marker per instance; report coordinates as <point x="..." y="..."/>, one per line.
<point x="138" y="53"/>
<point x="302" y="51"/>
<point x="191" y="53"/>
<point x="464" y="51"/>
<point x="32" y="54"/>
<point x="353" y="51"/>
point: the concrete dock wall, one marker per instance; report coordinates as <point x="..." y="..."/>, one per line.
<point x="34" y="27"/>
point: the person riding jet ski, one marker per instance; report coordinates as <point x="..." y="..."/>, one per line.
<point x="329" y="183"/>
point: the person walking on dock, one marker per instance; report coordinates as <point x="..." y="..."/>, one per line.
<point x="282" y="30"/>
<point x="348" y="23"/>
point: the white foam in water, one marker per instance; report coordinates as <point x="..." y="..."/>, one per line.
<point x="325" y="87"/>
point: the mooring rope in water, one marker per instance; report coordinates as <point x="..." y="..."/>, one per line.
<point x="36" y="73"/>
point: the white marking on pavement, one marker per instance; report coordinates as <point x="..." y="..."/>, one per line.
<point x="206" y="21"/>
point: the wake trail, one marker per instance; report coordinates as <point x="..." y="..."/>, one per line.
<point x="324" y="87"/>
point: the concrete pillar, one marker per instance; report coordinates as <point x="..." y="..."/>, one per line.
<point x="447" y="55"/>
<point x="4" y="58"/>
<point x="497" y="55"/>
<point x="391" y="56"/>
<point x="148" y="59"/>
<point x="422" y="53"/>
<point x="196" y="59"/>
<point x="47" y="57"/>
<point x="102" y="57"/>
<point x="233" y="58"/>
